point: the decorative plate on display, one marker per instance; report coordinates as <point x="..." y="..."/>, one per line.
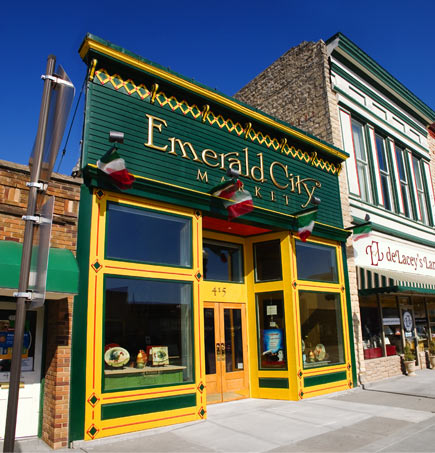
<point x="116" y="357"/>
<point x="319" y="352"/>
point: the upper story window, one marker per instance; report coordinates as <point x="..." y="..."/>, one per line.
<point x="421" y="196"/>
<point x="403" y="178"/>
<point x="385" y="174"/>
<point x="362" y="162"/>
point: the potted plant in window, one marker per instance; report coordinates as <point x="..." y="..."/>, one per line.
<point x="432" y="353"/>
<point x="409" y="360"/>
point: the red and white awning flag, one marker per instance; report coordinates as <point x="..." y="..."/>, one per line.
<point x="238" y="201"/>
<point x="114" y="166"/>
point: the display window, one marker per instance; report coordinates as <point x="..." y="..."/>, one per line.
<point x="321" y="328"/>
<point x="147" y="333"/>
<point x="371" y="327"/>
<point x="271" y="330"/>
<point x="392" y="326"/>
<point x="421" y="324"/>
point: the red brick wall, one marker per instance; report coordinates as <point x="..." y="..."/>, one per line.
<point x="56" y="369"/>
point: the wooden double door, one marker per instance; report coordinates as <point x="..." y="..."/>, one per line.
<point x="227" y="374"/>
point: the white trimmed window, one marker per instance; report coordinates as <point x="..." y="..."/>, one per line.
<point x="384" y="171"/>
<point x="421" y="195"/>
<point x="404" y="184"/>
<point x="361" y="161"/>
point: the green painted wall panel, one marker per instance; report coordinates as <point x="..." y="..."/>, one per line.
<point x="118" y="410"/>
<point x="324" y="379"/>
<point x="273" y="383"/>
<point x="112" y="110"/>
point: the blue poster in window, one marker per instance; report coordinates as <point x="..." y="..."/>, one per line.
<point x="272" y="340"/>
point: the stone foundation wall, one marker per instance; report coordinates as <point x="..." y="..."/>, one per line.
<point x="381" y="368"/>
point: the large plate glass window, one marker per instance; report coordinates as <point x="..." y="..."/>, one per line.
<point x="422" y="203"/>
<point x="404" y="186"/>
<point x="321" y="328"/>
<point x="362" y="164"/>
<point x="147" y="333"/>
<point x="392" y="327"/>
<point x="371" y="327"/>
<point x="271" y="330"/>
<point x="267" y="256"/>
<point x="222" y="261"/>
<point x="138" y="234"/>
<point x="384" y="169"/>
<point x="316" y="262"/>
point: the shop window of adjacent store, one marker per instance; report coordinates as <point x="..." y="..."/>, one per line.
<point x="7" y="332"/>
<point x="421" y="324"/>
<point x="371" y="327"/>
<point x="267" y="256"/>
<point x="404" y="185"/>
<point x="316" y="262"/>
<point x="321" y="328"/>
<point x="362" y="162"/>
<point x="385" y="174"/>
<point x="142" y="235"/>
<point x="391" y="325"/>
<point x="147" y="333"/>
<point x="422" y="213"/>
<point x="271" y="330"/>
<point x="431" y="313"/>
<point x="222" y="261"/>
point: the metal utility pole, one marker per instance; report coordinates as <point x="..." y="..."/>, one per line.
<point x="23" y="295"/>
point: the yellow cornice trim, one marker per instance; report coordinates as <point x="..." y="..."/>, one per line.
<point x="94" y="45"/>
<point x="210" y="195"/>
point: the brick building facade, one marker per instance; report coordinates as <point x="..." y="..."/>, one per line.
<point x="333" y="90"/>
<point x="57" y="311"/>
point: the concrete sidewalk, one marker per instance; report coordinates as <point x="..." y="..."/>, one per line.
<point x="393" y="415"/>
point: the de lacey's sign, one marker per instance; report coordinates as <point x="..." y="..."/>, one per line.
<point x="398" y="259"/>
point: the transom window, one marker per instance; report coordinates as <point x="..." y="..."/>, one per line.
<point x="138" y="234"/>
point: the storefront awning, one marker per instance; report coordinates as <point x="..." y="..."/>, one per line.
<point x="62" y="273"/>
<point x="370" y="282"/>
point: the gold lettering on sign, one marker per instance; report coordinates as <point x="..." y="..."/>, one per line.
<point x="151" y="126"/>
<point x="258" y="168"/>
<point x="248" y="166"/>
<point x="202" y="176"/>
<point x="209" y="154"/>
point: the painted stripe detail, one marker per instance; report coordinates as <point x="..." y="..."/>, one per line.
<point x="148" y="406"/>
<point x="273" y="383"/>
<point x="324" y="379"/>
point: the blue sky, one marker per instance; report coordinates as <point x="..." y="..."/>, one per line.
<point x="220" y="44"/>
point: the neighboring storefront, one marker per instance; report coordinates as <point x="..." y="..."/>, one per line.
<point x="346" y="98"/>
<point x="44" y="383"/>
<point x="178" y="307"/>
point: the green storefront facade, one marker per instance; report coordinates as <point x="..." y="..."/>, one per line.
<point x="178" y="307"/>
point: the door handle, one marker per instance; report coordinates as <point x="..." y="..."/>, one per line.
<point x="218" y="352"/>
<point x="222" y="351"/>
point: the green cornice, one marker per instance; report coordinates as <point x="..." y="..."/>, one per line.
<point x="338" y="70"/>
<point x="395" y="233"/>
<point x="351" y="52"/>
<point x="94" y="46"/>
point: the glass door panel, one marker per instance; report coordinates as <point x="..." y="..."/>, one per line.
<point x="225" y="352"/>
